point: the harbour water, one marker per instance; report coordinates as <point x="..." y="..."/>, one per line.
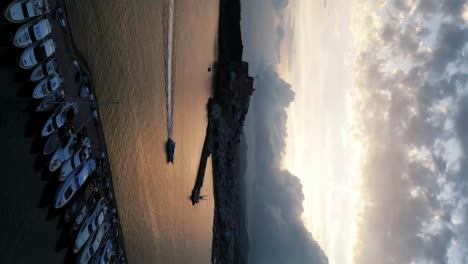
<point x="125" y="44"/>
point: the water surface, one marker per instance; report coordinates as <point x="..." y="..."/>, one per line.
<point x="124" y="44"/>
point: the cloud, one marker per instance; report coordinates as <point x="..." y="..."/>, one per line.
<point x="411" y="99"/>
<point x="280" y="4"/>
<point x="264" y="31"/>
<point x="277" y="233"/>
<point x="280" y="31"/>
<point x="450" y="41"/>
<point x="274" y="196"/>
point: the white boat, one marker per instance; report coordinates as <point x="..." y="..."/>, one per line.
<point x="47" y="86"/>
<point x="85" y="143"/>
<point x="59" y="118"/>
<point x="56" y="139"/>
<point x="78" y="203"/>
<point x="44" y="70"/>
<point x="74" y="182"/>
<point x="93" y="244"/>
<point x="21" y="10"/>
<point x="64" y="153"/>
<point x="36" y="53"/>
<point x="74" y="162"/>
<point x="85" y="210"/>
<point x="91" y="225"/>
<point x="60" y="17"/>
<point x="51" y="101"/>
<point x="108" y="253"/>
<point x="31" y="32"/>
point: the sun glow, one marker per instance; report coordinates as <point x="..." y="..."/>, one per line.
<point x="359" y="200"/>
<point x="324" y="148"/>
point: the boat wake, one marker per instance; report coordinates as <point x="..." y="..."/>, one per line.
<point x="169" y="39"/>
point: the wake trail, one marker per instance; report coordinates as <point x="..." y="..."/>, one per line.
<point x="169" y="65"/>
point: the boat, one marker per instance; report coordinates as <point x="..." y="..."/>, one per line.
<point x="108" y="253"/>
<point x="20" y="11"/>
<point x="195" y="197"/>
<point x="31" y="32"/>
<point x="69" y="153"/>
<point x="66" y="151"/>
<point x="47" y="86"/>
<point x="51" y="101"/>
<point x="93" y="244"/>
<point x="61" y="116"/>
<point x="91" y="224"/>
<point x="59" y="16"/>
<point x="74" y="182"/>
<point x="74" y="162"/>
<point x="56" y="139"/>
<point x="36" y="53"/>
<point x="45" y="69"/>
<point x="79" y="202"/>
<point x="170" y="149"/>
<point x="85" y="210"/>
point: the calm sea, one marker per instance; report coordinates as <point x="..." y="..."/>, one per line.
<point x="125" y="44"/>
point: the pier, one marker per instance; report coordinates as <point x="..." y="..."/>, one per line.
<point x="206" y="151"/>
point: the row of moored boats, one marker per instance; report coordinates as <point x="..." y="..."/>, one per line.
<point x="71" y="150"/>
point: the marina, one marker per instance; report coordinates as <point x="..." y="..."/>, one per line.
<point x="71" y="129"/>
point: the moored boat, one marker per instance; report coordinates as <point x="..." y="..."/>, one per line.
<point x="74" y="162"/>
<point x="36" y="53"/>
<point x="108" y="253"/>
<point x="79" y="202"/>
<point x="64" y="114"/>
<point x="31" y="32"/>
<point x="21" y="10"/>
<point x="84" y="211"/>
<point x="93" y="244"/>
<point x="56" y="139"/>
<point x="63" y="177"/>
<point x="91" y="224"/>
<point x="47" y="86"/>
<point x="51" y="101"/>
<point x="68" y="189"/>
<point x="46" y="69"/>
<point x="66" y="151"/>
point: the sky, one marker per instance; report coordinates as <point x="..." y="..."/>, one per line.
<point x="321" y="149"/>
<point x="370" y="132"/>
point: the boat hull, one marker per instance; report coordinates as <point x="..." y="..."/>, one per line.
<point x="50" y="101"/>
<point x="13" y="10"/>
<point x="98" y="213"/>
<point x="10" y="13"/>
<point x="62" y="154"/>
<point x="55" y="140"/>
<point x="54" y="81"/>
<point x="23" y="38"/>
<point x="73" y="183"/>
<point x="40" y="72"/>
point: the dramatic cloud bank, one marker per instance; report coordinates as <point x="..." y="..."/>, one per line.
<point x="411" y="99"/>
<point x="274" y="196"/>
<point x="277" y="233"/>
